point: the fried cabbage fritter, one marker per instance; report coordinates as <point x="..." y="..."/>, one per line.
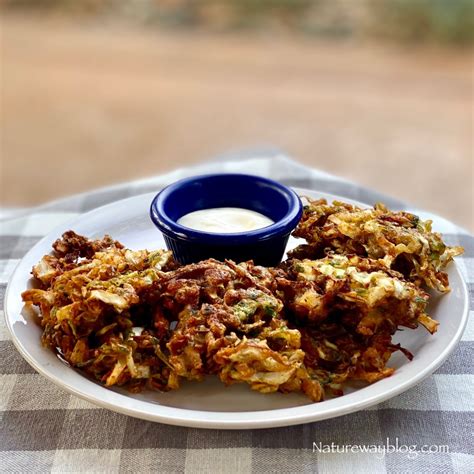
<point x="229" y="324"/>
<point x="360" y="287"/>
<point x="89" y="308"/>
<point x="403" y="241"/>
<point x="347" y="309"/>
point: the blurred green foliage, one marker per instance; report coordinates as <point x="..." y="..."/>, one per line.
<point x="445" y="21"/>
<point x="414" y="21"/>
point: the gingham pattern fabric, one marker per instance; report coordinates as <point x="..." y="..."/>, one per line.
<point x="43" y="428"/>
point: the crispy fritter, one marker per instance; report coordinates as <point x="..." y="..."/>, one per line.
<point x="360" y="287"/>
<point x="266" y="370"/>
<point x="335" y="354"/>
<point x="347" y="309"/>
<point x="91" y="304"/>
<point x="402" y="240"/>
<point x="229" y="324"/>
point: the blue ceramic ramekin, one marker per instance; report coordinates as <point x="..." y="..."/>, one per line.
<point x="264" y="246"/>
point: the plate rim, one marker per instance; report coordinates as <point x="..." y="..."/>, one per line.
<point x="216" y="420"/>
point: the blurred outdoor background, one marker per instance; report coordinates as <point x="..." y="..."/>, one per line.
<point x="95" y="92"/>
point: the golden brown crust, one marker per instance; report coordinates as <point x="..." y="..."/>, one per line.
<point x="402" y="240"/>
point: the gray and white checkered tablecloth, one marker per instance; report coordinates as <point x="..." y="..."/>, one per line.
<point x="43" y="428"/>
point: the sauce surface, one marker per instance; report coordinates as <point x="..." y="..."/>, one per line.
<point x="224" y="220"/>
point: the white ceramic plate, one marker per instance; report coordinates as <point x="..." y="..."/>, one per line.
<point x="210" y="404"/>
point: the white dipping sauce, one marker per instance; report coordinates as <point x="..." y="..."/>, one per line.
<point x="224" y="220"/>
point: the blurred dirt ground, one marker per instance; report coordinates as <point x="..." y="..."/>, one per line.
<point x="89" y="105"/>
